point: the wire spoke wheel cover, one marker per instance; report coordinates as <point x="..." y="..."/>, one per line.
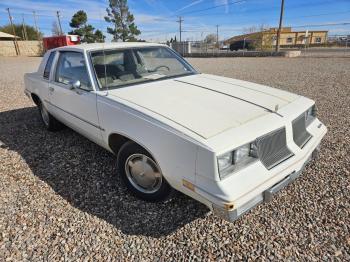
<point x="143" y="173"/>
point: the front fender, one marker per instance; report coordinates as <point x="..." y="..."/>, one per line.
<point x="175" y="153"/>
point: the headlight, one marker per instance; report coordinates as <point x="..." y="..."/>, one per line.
<point x="225" y="161"/>
<point x="237" y="159"/>
<point x="310" y="115"/>
<point x="240" y="153"/>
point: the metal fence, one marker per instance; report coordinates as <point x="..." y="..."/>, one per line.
<point x="338" y="47"/>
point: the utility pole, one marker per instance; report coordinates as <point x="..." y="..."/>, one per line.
<point x="180" y="26"/>
<point x="180" y="31"/>
<point x="217" y="36"/>
<point x="59" y="22"/>
<point x="25" y="35"/>
<point x="36" y="25"/>
<point x="14" y="33"/>
<point x="280" y="27"/>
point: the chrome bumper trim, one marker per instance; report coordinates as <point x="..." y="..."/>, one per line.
<point x="266" y="196"/>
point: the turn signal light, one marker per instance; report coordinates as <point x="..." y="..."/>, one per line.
<point x="188" y="184"/>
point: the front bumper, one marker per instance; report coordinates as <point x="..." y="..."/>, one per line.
<point x="265" y="196"/>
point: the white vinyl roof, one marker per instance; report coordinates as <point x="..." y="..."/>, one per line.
<point x="97" y="46"/>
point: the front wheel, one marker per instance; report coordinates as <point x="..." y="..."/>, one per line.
<point x="141" y="174"/>
<point x="51" y="123"/>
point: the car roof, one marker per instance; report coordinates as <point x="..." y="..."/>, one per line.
<point x="101" y="46"/>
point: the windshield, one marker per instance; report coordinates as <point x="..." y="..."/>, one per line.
<point x="120" y="67"/>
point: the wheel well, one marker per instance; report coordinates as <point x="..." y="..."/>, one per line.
<point x="36" y="99"/>
<point x="115" y="142"/>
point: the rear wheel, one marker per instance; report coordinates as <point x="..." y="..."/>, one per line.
<point x="141" y="174"/>
<point x="51" y="123"/>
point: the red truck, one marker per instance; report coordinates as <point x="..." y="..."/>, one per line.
<point x="61" y="40"/>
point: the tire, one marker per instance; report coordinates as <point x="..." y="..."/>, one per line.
<point x="141" y="174"/>
<point x="51" y="123"/>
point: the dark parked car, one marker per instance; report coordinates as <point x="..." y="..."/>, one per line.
<point x="241" y="44"/>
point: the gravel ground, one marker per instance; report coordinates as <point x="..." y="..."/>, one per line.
<point x="60" y="197"/>
<point x="332" y="52"/>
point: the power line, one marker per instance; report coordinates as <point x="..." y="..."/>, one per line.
<point x="316" y="15"/>
<point x="310" y="25"/>
<point x="287" y="17"/>
<point x="213" y="7"/>
<point x="220" y="5"/>
<point x="296" y="26"/>
<point x="320" y="25"/>
<point x="17" y="13"/>
<point x="296" y="6"/>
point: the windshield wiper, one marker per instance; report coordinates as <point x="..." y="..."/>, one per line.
<point x="174" y="76"/>
<point x="147" y="80"/>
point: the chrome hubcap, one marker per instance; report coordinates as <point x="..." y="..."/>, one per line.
<point x="44" y="114"/>
<point x="143" y="173"/>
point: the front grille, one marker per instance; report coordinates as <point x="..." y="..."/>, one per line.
<point x="300" y="134"/>
<point x="272" y="148"/>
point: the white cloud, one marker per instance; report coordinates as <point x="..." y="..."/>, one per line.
<point x="339" y="30"/>
<point x="190" y="5"/>
<point x="151" y="19"/>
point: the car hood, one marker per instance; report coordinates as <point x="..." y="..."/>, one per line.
<point x="206" y="104"/>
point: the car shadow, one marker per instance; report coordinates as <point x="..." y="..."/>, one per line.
<point x="84" y="174"/>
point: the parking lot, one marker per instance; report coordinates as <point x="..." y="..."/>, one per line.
<point x="60" y="196"/>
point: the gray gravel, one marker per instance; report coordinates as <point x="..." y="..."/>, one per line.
<point x="339" y="52"/>
<point x="60" y="197"/>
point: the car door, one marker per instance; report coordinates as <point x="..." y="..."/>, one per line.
<point x="74" y="105"/>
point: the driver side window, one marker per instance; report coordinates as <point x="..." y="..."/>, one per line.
<point x="71" y="67"/>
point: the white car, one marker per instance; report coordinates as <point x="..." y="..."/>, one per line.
<point x="227" y="143"/>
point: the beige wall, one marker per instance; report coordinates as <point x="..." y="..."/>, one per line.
<point x="285" y="37"/>
<point x="321" y="35"/>
<point x="295" y="38"/>
<point x="27" y="48"/>
<point x="270" y="39"/>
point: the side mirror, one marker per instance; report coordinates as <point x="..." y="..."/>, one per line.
<point x="75" y="84"/>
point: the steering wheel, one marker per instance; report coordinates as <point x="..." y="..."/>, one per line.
<point x="158" y="67"/>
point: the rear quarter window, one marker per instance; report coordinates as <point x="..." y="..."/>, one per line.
<point x="48" y="66"/>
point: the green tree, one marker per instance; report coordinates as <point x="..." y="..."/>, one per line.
<point x="99" y="36"/>
<point x="210" y="39"/>
<point x="124" y="27"/>
<point x="85" y="30"/>
<point x="79" y="19"/>
<point x="31" y="31"/>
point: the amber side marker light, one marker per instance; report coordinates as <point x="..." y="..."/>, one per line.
<point x="188" y="184"/>
<point x="229" y="206"/>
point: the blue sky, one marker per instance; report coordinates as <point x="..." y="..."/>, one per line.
<point x="157" y="18"/>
